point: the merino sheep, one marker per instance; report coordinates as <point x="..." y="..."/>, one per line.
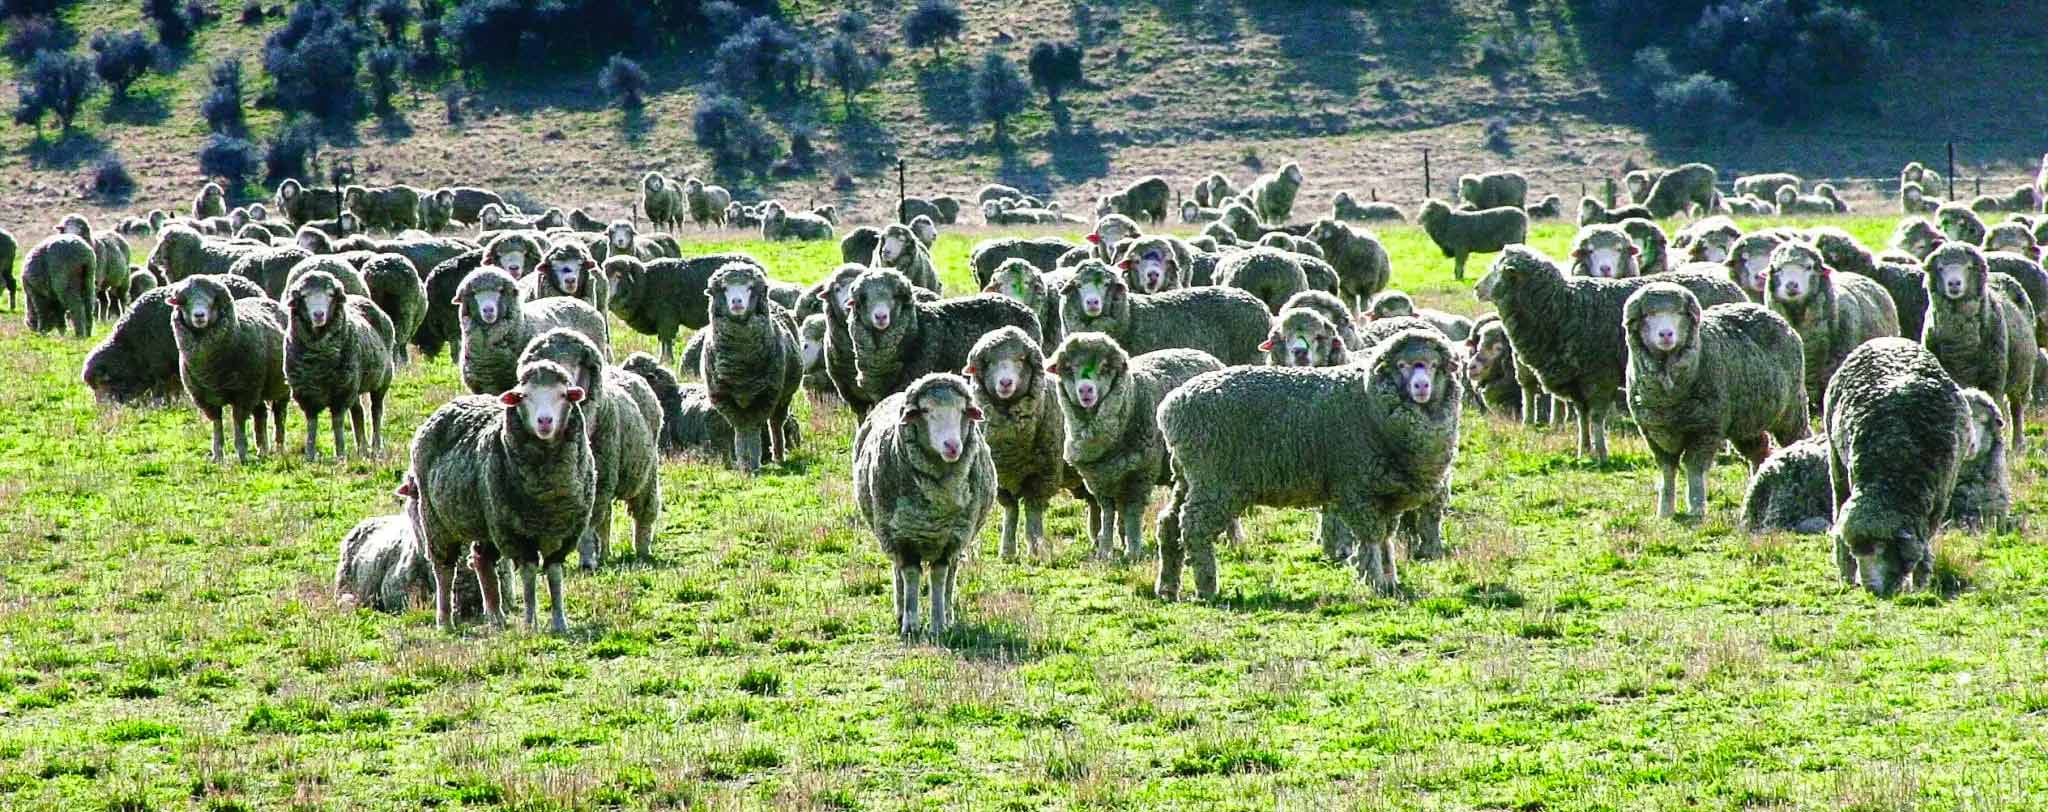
<point x="1213" y="190"/>
<point x="997" y="191"/>
<point x="1460" y="234"/>
<point x="1605" y="252"/>
<point x="1961" y="224"/>
<point x="689" y="423"/>
<point x="924" y="481"/>
<point x="1915" y="200"/>
<point x="1190" y="212"/>
<point x="1551" y="207"/>
<point x="465" y="204"/>
<point x="1906" y="284"/>
<point x="386" y="208"/>
<point x="811" y="354"/>
<point x="1269" y="274"/>
<point x="1490" y="368"/>
<point x="1683" y="187"/>
<point x="777" y="224"/>
<point x="2015" y="237"/>
<point x="625" y="418"/>
<point x="1917" y="174"/>
<point x="1021" y="281"/>
<point x="302" y="204"/>
<point x="510" y="476"/>
<point x="337" y="351"/>
<point x="1304" y="337"/>
<point x="1344" y="207"/>
<point x="1707" y="240"/>
<point x="662" y="201"/>
<point x="2022" y="198"/>
<point x="1746" y="206"/>
<point x="1025" y="433"/>
<point x="1108" y="398"/>
<point x="1272" y="195"/>
<point x="497" y="323"/>
<point x="396" y="289"/>
<point x="1766" y="185"/>
<point x="707" y="203"/>
<point x="1492" y="190"/>
<point x="9" y="248"/>
<point x="897" y="338"/>
<point x="1834" y="313"/>
<point x="1043" y="253"/>
<point x="1146" y="199"/>
<point x="1982" y="500"/>
<point x="1367" y="442"/>
<point x="659" y="298"/>
<point x="1390" y="304"/>
<point x="1359" y="259"/>
<point x="139" y="359"/>
<point x="1568" y="329"/>
<point x="1699" y="379"/>
<point x="1154" y="264"/>
<point x="1981" y="333"/>
<point x="1917" y="237"/>
<point x="60" y="276"/>
<point x="901" y="250"/>
<point x="751" y="366"/>
<point x="1592" y="212"/>
<point x="914" y="207"/>
<point x="1897" y="429"/>
<point x="1224" y="322"/>
<point x="230" y="356"/>
<point x="741" y="216"/>
<point x="568" y="270"/>
<point x="1639" y="183"/>
<point x="212" y="201"/>
<point x="181" y="252"/>
<point x="1790" y="490"/>
<point x="383" y="568"/>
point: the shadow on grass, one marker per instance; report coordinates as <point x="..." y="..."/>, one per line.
<point x="138" y="108"/>
<point x="634" y="125"/>
<point x="990" y="641"/>
<point x="943" y="90"/>
<point x="69" y="150"/>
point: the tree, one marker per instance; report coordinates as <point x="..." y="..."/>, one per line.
<point x="55" y="82"/>
<point x="732" y="136"/>
<point x="291" y="152"/>
<point x="313" y="61"/>
<point x="933" y="22"/>
<point x="762" y="57"/>
<point x="848" y="67"/>
<point x="222" y="104"/>
<point x="229" y="158"/>
<point x="999" y="92"/>
<point x="1054" y="67"/>
<point x="393" y="15"/>
<point x="624" y="81"/>
<point x="120" y="59"/>
<point x="383" y="64"/>
<point x="174" y="26"/>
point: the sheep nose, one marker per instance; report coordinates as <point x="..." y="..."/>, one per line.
<point x="1005" y="386"/>
<point x="950" y="449"/>
<point x="1092" y="305"/>
<point x="1667" y="337"/>
<point x="1606" y="270"/>
<point x="544" y="426"/>
<point x="1419" y="391"/>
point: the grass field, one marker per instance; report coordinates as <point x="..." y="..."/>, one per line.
<point x="168" y="642"/>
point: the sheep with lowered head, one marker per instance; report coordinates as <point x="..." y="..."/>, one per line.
<point x="1898" y="428"/>
<point x="1492" y="190"/>
<point x="1460" y="234"/>
<point x="1790" y="491"/>
<point x="1356" y="255"/>
<point x="1145" y="199"/>
<point x="60" y="276"/>
<point x="924" y="481"/>
<point x="1682" y="188"/>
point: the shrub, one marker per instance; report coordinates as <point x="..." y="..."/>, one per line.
<point x="486" y="32"/>
<point x="291" y="153"/>
<point x="847" y="67"/>
<point x="313" y="61"/>
<point x="174" y="23"/>
<point x="851" y="23"/>
<point x="30" y="8"/>
<point x="55" y="83"/>
<point x="120" y="59"/>
<point x="624" y="81"/>
<point x="383" y="64"/>
<point x="735" y="140"/>
<point x="999" y="92"/>
<point x="1707" y="105"/>
<point x="1054" y="67"/>
<point x="1497" y="135"/>
<point x="229" y="158"/>
<point x="933" y="23"/>
<point x="764" y="56"/>
<point x="34" y="35"/>
<point x="252" y="12"/>
<point x="110" y="178"/>
<point x="1782" y="58"/>
<point x="393" y="15"/>
<point x="222" y="104"/>
<point x="451" y="101"/>
<point x="725" y="18"/>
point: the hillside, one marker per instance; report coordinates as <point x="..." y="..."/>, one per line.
<point x="1355" y="91"/>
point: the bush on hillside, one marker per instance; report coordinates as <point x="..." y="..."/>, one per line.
<point x="291" y="153"/>
<point x="933" y="23"/>
<point x="313" y="61"/>
<point x="734" y="138"/>
<point x="110" y="178"/>
<point x="1779" y="58"/>
<point x="228" y="158"/>
<point x="847" y="67"/>
<point x="1054" y="67"/>
<point x="120" y="59"/>
<point x="763" y="58"/>
<point x="175" y="23"/>
<point x="999" y="92"/>
<point x="55" y="83"/>
<point x="393" y="16"/>
<point x="382" y="66"/>
<point x="222" y="104"/>
<point x="624" y="81"/>
<point x="33" y="35"/>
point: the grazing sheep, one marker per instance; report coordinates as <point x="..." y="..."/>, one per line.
<point x="1492" y="190"/>
<point x="751" y="366"/>
<point x="140" y="282"/>
<point x="1357" y="256"/>
<point x="858" y="245"/>
<point x="397" y="291"/>
<point x="1604" y="251"/>
<point x="1108" y="398"/>
<point x="662" y="201"/>
<point x="659" y="298"/>
<point x="1213" y="190"/>
<point x="269" y="267"/>
<point x="625" y="418"/>
<point x="1766" y="185"/>
<point x="1043" y="253"/>
<point x="901" y="250"/>
<point x="1915" y="173"/>
<point x="1392" y="304"/>
<point x="1025" y="433"/>
<point x="1490" y="368"/>
<point x="442" y="323"/>
<point x="1568" y="330"/>
<point x="9" y="248"/>
<point x="1272" y="195"/>
<point x="1681" y="188"/>
<point x="1982" y="334"/>
<point x="2015" y="237"/>
<point x="1269" y="274"/>
<point x="383" y="568"/>
<point x="334" y="228"/>
<point x="707" y="203"/>
<point x="1961" y="224"/>
<point x="510" y="476"/>
<point x="1745" y="206"/>
<point x="1344" y="207"/>
<point x="139" y="359"/>
<point x="581" y="222"/>
<point x="689" y="423"/>
<point x="1904" y="282"/>
<point x="1790" y="490"/>
<point x="1146" y="199"/>
<point x="1707" y="240"/>
<point x="1834" y="313"/>
<point x="1460" y="234"/>
<point x="387" y="208"/>
<point x="1982" y="500"/>
<point x="497" y="323"/>
<point x="180" y="252"/>
<point x="1367" y="442"/>
<point x="230" y="356"/>
<point x="1917" y="237"/>
<point x="1240" y="223"/>
<point x="60" y="276"/>
<point x="1592" y="212"/>
<point x="924" y="481"/>
<point x="2021" y="199"/>
<point x="777" y="224"/>
<point x="337" y="350"/>
<point x="1897" y="429"/>
<point x="1224" y="322"/>
<point x="897" y="338"/>
<point x="1700" y="379"/>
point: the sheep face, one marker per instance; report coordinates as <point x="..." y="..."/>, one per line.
<point x="1302" y="338"/>
<point x="1987" y="425"/>
<point x="1661" y="319"/>
<point x="620" y="235"/>
<point x="1960" y="224"/>
<point x="838" y="293"/>
<point x="736" y="291"/>
<point x="1917" y="237"/>
<point x="311" y="241"/>
<point x="1090" y="369"/>
<point x="1885" y="548"/>
<point x="879" y="299"/>
<point x="1607" y="255"/>
<point x="487" y="295"/>
<point x="200" y="303"/>
<point x="895" y="242"/>
<point x="1485" y="353"/>
<point x="923" y="228"/>
<point x="693" y="186"/>
<point x="1795" y="273"/>
<point x="1150" y="271"/>
<point x="1714" y="246"/>
<point x="314" y="298"/>
<point x="567" y="270"/>
<point x="1418" y="365"/>
<point x="1112" y="230"/>
<point x="813" y="342"/>
<point x="1516" y="268"/>
<point x="1004" y="363"/>
<point x="1390" y="304"/>
<point x="624" y="274"/>
<point x="653" y="182"/>
<point x="543" y="400"/>
<point x="1956" y="273"/>
<point x="1016" y="279"/>
<point x="1292" y="172"/>
<point x="943" y="413"/>
<point x="1095" y="289"/>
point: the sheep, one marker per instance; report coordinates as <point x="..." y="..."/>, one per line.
<point x="811" y="354"/>
<point x="510" y="476"/>
<point x="350" y="278"/>
<point x="9" y="247"/>
<point x="689" y="423"/>
<point x="1832" y="312"/>
<point x="1568" y="330"/>
<point x="1108" y="398"/>
<point x="212" y="201"/>
<point x="397" y="291"/>
<point x="901" y="250"/>
<point x="1213" y="190"/>
<point x="387" y="208"/>
<point x="1551" y="207"/>
<point x="1604" y="251"/>
<point x="897" y="338"/>
<point x="1744" y="206"/>
<point x="1389" y="304"/>
<point x="1359" y="259"/>
<point x="1366" y="442"/>
<point x="1460" y="234"/>
<point x="1699" y="379"/>
<point x="180" y="252"/>
<point x="111" y="270"/>
<point x="269" y="267"/>
<point x="625" y="418"/>
<point x="1917" y="237"/>
<point x="1344" y="207"/>
<point x="1914" y="200"/>
<point x="500" y="218"/>
<point x="662" y="201"/>
<point x="230" y="356"/>
<point x="2032" y="281"/>
<point x="2022" y="198"/>
<point x="660" y="297"/>
<point x="1043" y="253"/>
<point x="927" y="232"/>
<point x="138" y="360"/>
<point x="337" y="351"/>
<point x="707" y="203"/>
<point x="1961" y="224"/>
<point x="1492" y="190"/>
<point x="2014" y="237"/>
<point x="302" y="204"/>
<point x="997" y="191"/>
<point x="1982" y="500"/>
<point x="465" y="204"/>
<point x="622" y="239"/>
<point x="568" y="270"/>
<point x="1707" y="240"/>
<point x="777" y="224"/>
<point x="1681" y="188"/>
<point x="949" y="210"/>
<point x="1639" y="182"/>
<point x="137" y="227"/>
<point x="1790" y="490"/>
<point x="60" y="275"/>
<point x="1330" y="308"/>
<point x="1025" y="433"/>
<point x="1592" y="212"/>
<point x="140" y="282"/>
<point x="1766" y="185"/>
<point x="1902" y="281"/>
<point x="924" y="482"/>
<point x="1915" y="173"/>
<point x="383" y="568"/>
<point x="1020" y="280"/>
<point x="751" y="367"/>
<point x="1190" y="212"/>
<point x="1146" y="199"/>
<point x="1489" y="368"/>
<point x="1224" y="322"/>
<point x="497" y="324"/>
<point x="1897" y="429"/>
<point x="1982" y="335"/>
<point x="914" y="207"/>
<point x="1269" y="274"/>
<point x="1826" y="191"/>
<point x="1304" y="337"/>
<point x="741" y="216"/>
<point x="1272" y="195"/>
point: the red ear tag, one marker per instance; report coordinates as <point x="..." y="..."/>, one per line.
<point x="512" y="397"/>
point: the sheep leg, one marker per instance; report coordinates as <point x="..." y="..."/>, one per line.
<point x="263" y="434"/>
<point x="1375" y="557"/>
<point x="1845" y="562"/>
<point x="913" y="583"/>
<point x="1531" y="411"/>
<point x="1667" y="487"/>
<point x="312" y="433"/>
<point x="1201" y="522"/>
<point x="334" y="426"/>
<point x="217" y="439"/>
<point x="1034" y="527"/>
<point x="1458" y="266"/>
<point x="2015" y="406"/>
<point x="1008" y="547"/>
<point x="241" y="417"/>
<point x="667" y="334"/>
<point x="444" y="595"/>
<point x="746" y="448"/>
<point x="1424" y="527"/>
<point x="1585" y="435"/>
<point x="1171" y="552"/>
<point x="646" y="510"/>
<point x="526" y="585"/>
<point x="900" y="572"/>
<point x="486" y="568"/>
<point x="277" y="415"/>
<point x="590" y="546"/>
<point x="1697" y="461"/>
<point x="355" y="422"/>
<point x="1338" y="545"/>
<point x="1132" y="523"/>
<point x="1106" y="532"/>
<point x="377" y="422"/>
<point x="558" y="620"/>
<point x="942" y="596"/>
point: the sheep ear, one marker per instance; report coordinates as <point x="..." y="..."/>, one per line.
<point x="1266" y="345"/>
<point x="1581" y="253"/>
<point x="1633" y="251"/>
<point x="590" y="265"/>
<point x="1094" y="239"/>
<point x="974" y="414"/>
<point x="172" y="301"/>
<point x="512" y="397"/>
<point x="911" y="415"/>
<point x="406" y="490"/>
<point x="1052" y="367"/>
<point x="574" y="394"/>
<point x="968" y="370"/>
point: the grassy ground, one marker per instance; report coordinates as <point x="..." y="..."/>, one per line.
<point x="167" y="641"/>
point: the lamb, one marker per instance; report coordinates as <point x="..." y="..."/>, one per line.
<point x="1766" y="185"/>
<point x="568" y="270"/>
<point x="510" y="476"/>
<point x="1897" y="429"/>
<point x="212" y="201"/>
<point x="1213" y="190"/>
<point x="1916" y="237"/>
<point x="1043" y="253"/>
<point x="1568" y="330"/>
<point x="301" y="204"/>
<point x="1272" y="195"/>
<point x="1460" y="234"/>
<point x="1699" y="379"/>
<point x="625" y="418"/>
<point x="1025" y="433"/>
<point x="1826" y="191"/>
<point x="1269" y="274"/>
<point x="180" y="252"/>
<point x="1914" y="200"/>
<point x="1790" y="490"/>
<point x="1490" y="368"/>
<point x="60" y="276"/>
<point x="1344" y="207"/>
<point x="741" y="216"/>
<point x="387" y="208"/>
<point x="1367" y="442"/>
<point x="924" y="481"/>
<point x="1147" y="198"/>
<point x="1982" y="335"/>
<point x="1707" y="240"/>
<point x="751" y="366"/>
<point x="230" y="356"/>
<point x="1224" y="322"/>
<point x="397" y="291"/>
<point x="1592" y="212"/>
<point x="1903" y="281"/>
<point x="1832" y="312"/>
<point x="707" y="203"/>
<point x="662" y="201"/>
<point x="900" y="249"/>
<point x="337" y="350"/>
<point x="1108" y="398"/>
<point x="777" y="224"/>
<point x="897" y="338"/>
<point x="1683" y="187"/>
<point x="383" y="568"/>
<point x="1492" y="190"/>
<point x="1605" y="252"/>
<point x="1357" y="256"/>
<point x="497" y="324"/>
<point x="1390" y="304"/>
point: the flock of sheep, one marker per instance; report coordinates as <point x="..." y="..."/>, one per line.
<point x="1261" y="362"/>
